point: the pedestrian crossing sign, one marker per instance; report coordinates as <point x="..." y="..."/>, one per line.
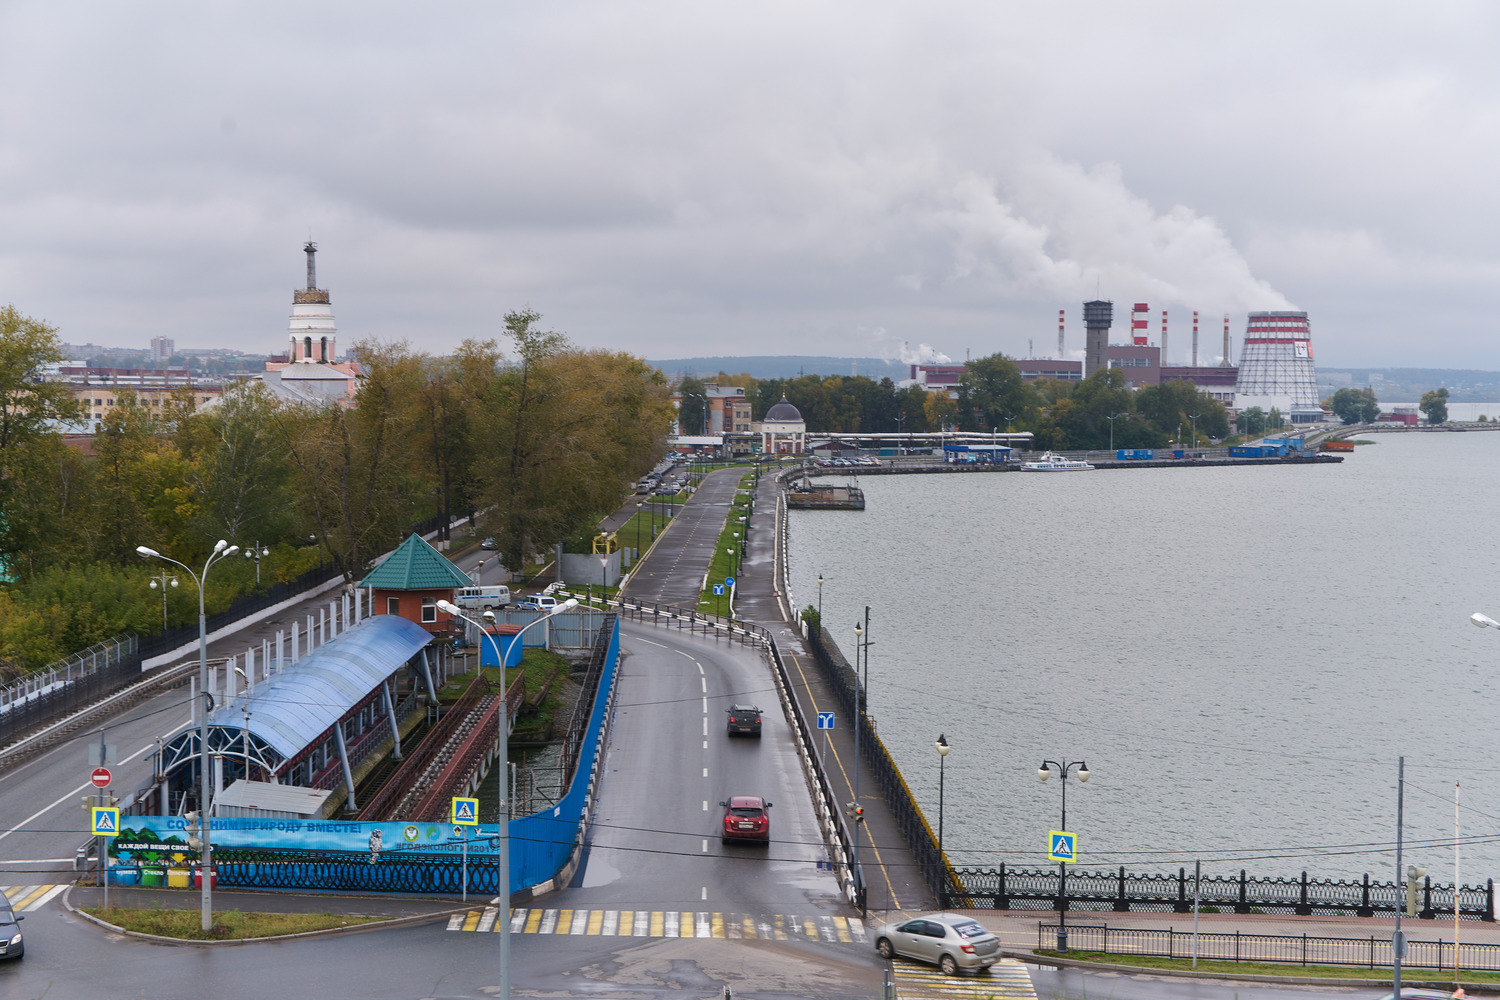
<point x="1060" y="846"/>
<point x="106" y="821"/>
<point x="465" y="812"/>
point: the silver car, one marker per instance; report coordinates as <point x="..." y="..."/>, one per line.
<point x="948" y="940"/>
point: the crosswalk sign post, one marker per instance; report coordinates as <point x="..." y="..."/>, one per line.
<point x="106" y="823"/>
<point x="465" y="815"/>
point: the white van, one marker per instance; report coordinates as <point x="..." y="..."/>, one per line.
<point x="482" y="598"/>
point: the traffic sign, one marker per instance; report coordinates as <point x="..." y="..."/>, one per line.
<point x="825" y="720"/>
<point x="106" y="821"/>
<point x="718" y="590"/>
<point x="101" y="777"/>
<point x="1061" y="846"/>
<point x="729" y="581"/>
<point x="465" y="812"/>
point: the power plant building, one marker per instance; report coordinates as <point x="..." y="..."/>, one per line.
<point x="1276" y="367"/>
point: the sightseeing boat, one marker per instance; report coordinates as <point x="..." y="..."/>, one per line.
<point x="1055" y="463"/>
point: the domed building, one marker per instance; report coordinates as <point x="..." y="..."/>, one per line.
<point x="783" y="431"/>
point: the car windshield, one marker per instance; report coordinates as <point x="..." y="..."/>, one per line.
<point x="970" y="930"/>
<point x="6" y="918"/>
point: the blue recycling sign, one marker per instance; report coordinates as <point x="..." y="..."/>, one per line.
<point x="1061" y="846"/>
<point x="825" y="720"/>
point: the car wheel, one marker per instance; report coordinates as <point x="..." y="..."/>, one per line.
<point x="883" y="946"/>
<point x="949" y="965"/>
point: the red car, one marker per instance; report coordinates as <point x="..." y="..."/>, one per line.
<point x="746" y="818"/>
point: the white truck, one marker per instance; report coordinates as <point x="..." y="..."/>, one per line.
<point x="487" y="598"/>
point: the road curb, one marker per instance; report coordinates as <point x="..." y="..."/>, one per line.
<point x="1031" y="958"/>
<point x="326" y="932"/>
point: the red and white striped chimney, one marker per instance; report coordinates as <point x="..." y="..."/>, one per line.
<point x="1138" y="323"/>
<point x="1059" y="334"/>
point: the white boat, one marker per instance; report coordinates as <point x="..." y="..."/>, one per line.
<point x="1055" y="463"/>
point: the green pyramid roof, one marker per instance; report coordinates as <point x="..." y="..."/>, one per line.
<point x="415" y="565"/>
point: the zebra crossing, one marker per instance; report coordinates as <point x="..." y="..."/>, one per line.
<point x="1007" y="979"/>
<point x="30" y="897"/>
<point x="666" y="923"/>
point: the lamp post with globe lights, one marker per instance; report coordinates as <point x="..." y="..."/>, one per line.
<point x="163" y="580"/>
<point x="222" y="550"/>
<point x="1044" y="772"/>
<point x="502" y="765"/>
<point x="942" y="749"/>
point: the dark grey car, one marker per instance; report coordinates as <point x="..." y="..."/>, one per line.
<point x="947" y="940"/>
<point x="744" y="719"/>
<point x="11" y="945"/>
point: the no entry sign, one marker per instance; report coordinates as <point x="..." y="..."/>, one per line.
<point x="101" y="777"/>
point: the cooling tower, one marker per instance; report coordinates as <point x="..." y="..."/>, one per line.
<point x="1276" y="367"/>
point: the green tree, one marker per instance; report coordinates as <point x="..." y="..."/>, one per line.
<point x="1178" y="403"/>
<point x="990" y="390"/>
<point x="1434" y="405"/>
<point x="1251" y="422"/>
<point x="239" y="472"/>
<point x="30" y="406"/>
<point x="691" y="410"/>
<point x="1354" y="406"/>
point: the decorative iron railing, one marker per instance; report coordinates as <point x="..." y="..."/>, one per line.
<point x="389" y="871"/>
<point x="1120" y="891"/>
<point x="1220" y="946"/>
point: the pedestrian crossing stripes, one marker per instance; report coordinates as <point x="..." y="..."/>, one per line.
<point x="666" y="923"/>
<point x="30" y="897"/>
<point x="1007" y="979"/>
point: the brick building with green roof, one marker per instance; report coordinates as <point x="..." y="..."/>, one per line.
<point x="411" y="581"/>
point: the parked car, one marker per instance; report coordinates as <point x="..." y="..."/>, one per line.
<point x="744" y="719"/>
<point x="746" y="818"/>
<point x="948" y="940"/>
<point x="11" y="945"/>
<point x="526" y="606"/>
<point x="486" y="598"/>
<point x="544" y="601"/>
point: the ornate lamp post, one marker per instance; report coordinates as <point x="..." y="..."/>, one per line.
<point x="222" y="550"/>
<point x="942" y="749"/>
<point x="1044" y="772"/>
<point x="162" y="579"/>
<point x="255" y="552"/>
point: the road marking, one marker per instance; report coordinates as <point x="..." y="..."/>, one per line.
<point x="581" y="920"/>
<point x="487" y="920"/>
<point x="1007" y="979"/>
<point x="88" y="785"/>
<point x="705" y="805"/>
<point x="470" y="922"/>
<point x="534" y="922"/>
<point x="705" y="744"/>
<point x="705" y="733"/>
<point x="705" y="926"/>
<point x="704" y="896"/>
<point x="456" y="922"/>
<point x="31" y="897"/>
<point x="704" y="682"/>
<point x="705" y="845"/>
<point x="671" y="923"/>
<point x="549" y="922"/>
<point x="705" y="772"/>
<point x="611" y="923"/>
<point x="518" y="919"/>
<point x="649" y="642"/>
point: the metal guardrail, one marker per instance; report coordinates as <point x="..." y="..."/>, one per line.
<point x="1121" y="891"/>
<point x="1222" y="946"/>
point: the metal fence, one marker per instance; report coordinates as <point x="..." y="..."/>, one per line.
<point x="1222" y="946"/>
<point x="1121" y="891"/>
<point x="390" y="871"/>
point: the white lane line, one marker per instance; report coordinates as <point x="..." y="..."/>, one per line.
<point x="704" y="682"/>
<point x="704" y="925"/>
<point x="705" y="845"/>
<point x="705" y="772"/>
<point x="127" y="760"/>
<point x="705" y="733"/>
<point x="705" y="704"/>
<point x="705" y="742"/>
<point x="705" y="805"/>
<point x="660" y="645"/>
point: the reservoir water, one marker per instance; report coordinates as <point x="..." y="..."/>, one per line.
<point x="1240" y="655"/>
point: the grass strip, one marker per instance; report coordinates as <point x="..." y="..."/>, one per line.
<point x="233" y="925"/>
<point x="1380" y="974"/>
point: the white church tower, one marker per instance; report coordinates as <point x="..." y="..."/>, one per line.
<point x="312" y="331"/>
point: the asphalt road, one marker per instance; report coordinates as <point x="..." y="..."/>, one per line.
<point x="673" y="571"/>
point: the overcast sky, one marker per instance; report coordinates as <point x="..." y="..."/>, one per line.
<point x="681" y="179"/>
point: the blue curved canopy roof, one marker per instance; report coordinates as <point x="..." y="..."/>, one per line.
<point x="299" y="704"/>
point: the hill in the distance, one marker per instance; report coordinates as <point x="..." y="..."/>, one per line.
<point x="784" y="366"/>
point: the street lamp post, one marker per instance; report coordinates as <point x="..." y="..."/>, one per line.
<point x="502" y="758"/>
<point x="820" y="601"/>
<point x="1044" y="772"/>
<point x="900" y="428"/>
<point x="162" y="579"/>
<point x="222" y="550"/>
<point x="1112" y="420"/>
<point x="255" y="552"/>
<point x="942" y="749"/>
<point x="1194" y="418"/>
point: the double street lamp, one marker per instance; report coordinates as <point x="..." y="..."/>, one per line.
<point x="255" y="552"/>
<point x="163" y="579"/>
<point x="222" y="550"/>
<point x="1044" y="772"/>
<point x="502" y="765"/>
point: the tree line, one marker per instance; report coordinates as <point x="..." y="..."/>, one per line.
<point x="991" y="395"/>
<point x="541" y="438"/>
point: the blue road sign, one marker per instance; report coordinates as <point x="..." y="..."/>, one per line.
<point x="106" y="821"/>
<point x="729" y="581"/>
<point x="1061" y="846"/>
<point x="825" y="720"/>
<point x="465" y="812"/>
<point x="718" y="590"/>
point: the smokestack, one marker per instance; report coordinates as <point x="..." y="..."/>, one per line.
<point x="1138" y="323"/>
<point x="1226" y="361"/>
<point x="1097" y="317"/>
<point x="1195" y="338"/>
<point x="1163" y="336"/>
<point x="1059" y="335"/>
